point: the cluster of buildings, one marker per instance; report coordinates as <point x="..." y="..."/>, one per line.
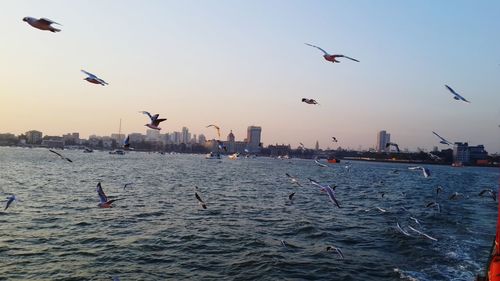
<point x="153" y="139"/>
<point x="462" y="152"/>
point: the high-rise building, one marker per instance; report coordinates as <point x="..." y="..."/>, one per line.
<point x="34" y="137"/>
<point x="230" y="143"/>
<point x="202" y="139"/>
<point x="382" y="139"/>
<point x="253" y="138"/>
<point x="466" y="154"/>
<point x="186" y="136"/>
<point x="317" y="146"/>
<point x="176" y="137"/>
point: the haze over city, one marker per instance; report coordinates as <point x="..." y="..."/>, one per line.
<point x="238" y="64"/>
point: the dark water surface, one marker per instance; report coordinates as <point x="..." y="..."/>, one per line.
<point x="159" y="232"/>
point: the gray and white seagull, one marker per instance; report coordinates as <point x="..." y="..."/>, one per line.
<point x="93" y="79"/>
<point x="456" y="95"/>
<point x="442" y="140"/>
<point x="42" y="24"/>
<point x="329" y="57"/>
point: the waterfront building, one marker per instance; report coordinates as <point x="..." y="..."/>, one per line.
<point x="34" y="137"/>
<point x="253" y="138"/>
<point x="382" y="139"/>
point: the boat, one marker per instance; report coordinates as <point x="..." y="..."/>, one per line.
<point x="212" y="155"/>
<point x="332" y="159"/>
<point x="492" y="271"/>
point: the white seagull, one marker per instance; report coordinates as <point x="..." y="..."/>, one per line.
<point x="93" y="79"/>
<point x="320" y="164"/>
<point x="336" y="249"/>
<point x="10" y="199"/>
<point x="104" y="201"/>
<point x="490" y="193"/>
<point x="442" y="140"/>
<point x="421" y="233"/>
<point x="200" y="201"/>
<point x="42" y="24"/>
<point x="426" y="172"/>
<point x="398" y="227"/>
<point x="293" y="180"/>
<point x="60" y="155"/>
<point x="155" y="122"/>
<point x="330" y="190"/>
<point x="329" y="57"/>
<point x="456" y="95"/>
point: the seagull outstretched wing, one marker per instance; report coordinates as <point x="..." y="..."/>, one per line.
<point x="326" y="53"/>
<point x="101" y="194"/>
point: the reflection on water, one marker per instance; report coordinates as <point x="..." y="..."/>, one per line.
<point x="158" y="231"/>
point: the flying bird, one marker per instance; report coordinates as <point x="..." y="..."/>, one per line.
<point x="490" y="193"/>
<point x="10" y="199"/>
<point x="293" y="180"/>
<point x="329" y="57"/>
<point x="320" y="164"/>
<point x="398" y="227"/>
<point x="60" y="155"/>
<point x="126" y="143"/>
<point x="309" y="101"/>
<point x="434" y="204"/>
<point x="330" y="190"/>
<point x="438" y="189"/>
<point x="336" y="249"/>
<point x="155" y="122"/>
<point x="200" y="201"/>
<point x="42" y="24"/>
<point x="392" y="144"/>
<point x="426" y="172"/>
<point x="105" y="202"/>
<point x="290" y="197"/>
<point x="421" y="233"/>
<point x="442" y="140"/>
<point x="127" y="185"/>
<point x="93" y="79"/>
<point x="456" y="95"/>
<point x="221" y="145"/>
<point x="455" y="196"/>
<point x="334" y="139"/>
<point x="216" y="127"/>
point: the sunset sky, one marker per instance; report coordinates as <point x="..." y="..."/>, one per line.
<point x="241" y="63"/>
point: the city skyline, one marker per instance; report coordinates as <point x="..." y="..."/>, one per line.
<point x="406" y="57"/>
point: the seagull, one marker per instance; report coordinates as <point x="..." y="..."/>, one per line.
<point x="127" y="185"/>
<point x="415" y="220"/>
<point x="93" y="79"/>
<point x="490" y="193"/>
<point x="426" y="172"/>
<point x="329" y="57"/>
<point x="105" y="203"/>
<point x="330" y="190"/>
<point x="290" y="197"/>
<point x="216" y="127"/>
<point x="438" y="189"/>
<point x="401" y="229"/>
<point x="320" y="164"/>
<point x="126" y="143"/>
<point x="154" y="120"/>
<point x="393" y="144"/>
<point x="334" y="139"/>
<point x="221" y="145"/>
<point x="10" y="199"/>
<point x="200" y="201"/>
<point x="284" y="243"/>
<point x="442" y="140"/>
<point x="59" y="154"/>
<point x="338" y="250"/>
<point x="434" y="157"/>
<point x="381" y="210"/>
<point x="293" y="180"/>
<point x="421" y="233"/>
<point x="455" y="196"/>
<point x="456" y="95"/>
<point x="42" y="24"/>
<point x="434" y="204"/>
<point x="309" y="101"/>
<point x="302" y="147"/>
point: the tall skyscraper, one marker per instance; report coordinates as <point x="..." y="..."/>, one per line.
<point x="202" y="139"/>
<point x="253" y="138"/>
<point x="317" y="146"/>
<point x="382" y="139"/>
<point x="186" y="136"/>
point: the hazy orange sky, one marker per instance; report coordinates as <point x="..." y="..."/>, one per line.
<point x="237" y="63"/>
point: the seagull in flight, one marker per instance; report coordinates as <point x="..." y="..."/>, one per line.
<point x="127" y="185"/>
<point x="200" y="201"/>
<point x="329" y="57"/>
<point x="320" y="164"/>
<point x="42" y="24"/>
<point x="290" y="197"/>
<point x="10" y="199"/>
<point x="455" y="196"/>
<point x="155" y="122"/>
<point x="105" y="202"/>
<point x="490" y="193"/>
<point x="330" y="190"/>
<point x="442" y="140"/>
<point x="456" y="95"/>
<point x="426" y="172"/>
<point x="434" y="204"/>
<point x="334" y="139"/>
<point x="293" y="179"/>
<point x="421" y="233"/>
<point x="216" y="127"/>
<point x="400" y="229"/>
<point x="309" y="101"/>
<point x="392" y="144"/>
<point x="93" y="79"/>
<point x="60" y="155"/>
<point x="336" y="249"/>
<point x="126" y="143"/>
